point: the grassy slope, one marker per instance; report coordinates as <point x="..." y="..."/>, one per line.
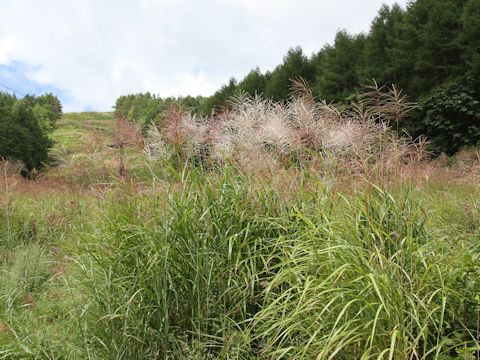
<point x="75" y="126"/>
<point x="43" y="218"/>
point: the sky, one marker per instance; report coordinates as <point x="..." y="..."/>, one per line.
<point x="89" y="52"/>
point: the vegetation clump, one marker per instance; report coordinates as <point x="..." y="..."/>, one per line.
<point x="25" y="126"/>
<point x="301" y="132"/>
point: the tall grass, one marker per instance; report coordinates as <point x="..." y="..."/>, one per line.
<point x="257" y="133"/>
<point x="182" y="270"/>
<point x="365" y="287"/>
<point x="224" y="267"/>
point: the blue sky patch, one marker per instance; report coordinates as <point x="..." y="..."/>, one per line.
<point x="14" y="80"/>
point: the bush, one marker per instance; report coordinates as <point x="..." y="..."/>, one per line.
<point x="450" y="117"/>
<point x="48" y="110"/>
<point x="24" y="128"/>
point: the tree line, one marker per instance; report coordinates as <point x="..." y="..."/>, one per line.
<point x="430" y="49"/>
<point x="25" y="128"/>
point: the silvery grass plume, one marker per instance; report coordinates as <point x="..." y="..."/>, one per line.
<point x="308" y="119"/>
<point x="172" y="128"/>
<point x="242" y="138"/>
<point x="155" y="147"/>
<point x="180" y="132"/>
<point x="255" y="130"/>
<point x="385" y="104"/>
<point x="275" y="132"/>
<point x="194" y="129"/>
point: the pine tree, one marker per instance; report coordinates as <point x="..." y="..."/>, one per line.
<point x="22" y="138"/>
<point x="340" y="66"/>
<point x="469" y="38"/>
<point x="317" y="61"/>
<point x="295" y="65"/>
<point x="438" y="55"/>
<point x="254" y="83"/>
<point x="378" y="60"/>
<point x="218" y="101"/>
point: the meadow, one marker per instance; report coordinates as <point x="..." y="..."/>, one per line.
<point x="291" y="230"/>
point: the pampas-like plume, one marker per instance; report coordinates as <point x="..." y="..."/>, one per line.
<point x="256" y="130"/>
<point x="155" y="146"/>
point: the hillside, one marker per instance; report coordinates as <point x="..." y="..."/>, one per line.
<point x="245" y="258"/>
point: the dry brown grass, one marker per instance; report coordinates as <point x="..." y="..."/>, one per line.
<point x="4" y="328"/>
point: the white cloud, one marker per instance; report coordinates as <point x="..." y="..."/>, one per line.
<point x="96" y="50"/>
<point x="7" y="45"/>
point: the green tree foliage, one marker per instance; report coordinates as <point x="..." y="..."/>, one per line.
<point x="378" y="60"/>
<point x="147" y="108"/>
<point x="47" y="109"/>
<point x="219" y="101"/>
<point x="141" y="108"/>
<point x="450" y="116"/>
<point x="436" y="24"/>
<point x="317" y="61"/>
<point x="340" y="67"/>
<point x="469" y="38"/>
<point x="402" y="46"/>
<point x="295" y="65"/>
<point x="190" y="102"/>
<point x="22" y="136"/>
<point x="255" y="82"/>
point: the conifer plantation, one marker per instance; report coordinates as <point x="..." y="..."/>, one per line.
<point x="327" y="209"/>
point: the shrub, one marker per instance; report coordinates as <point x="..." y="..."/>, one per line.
<point x="450" y="117"/>
<point x="48" y="110"/>
<point x="23" y="130"/>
